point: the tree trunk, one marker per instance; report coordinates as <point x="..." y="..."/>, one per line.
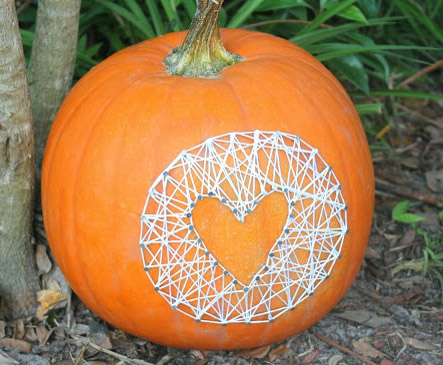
<point x="51" y="67"/>
<point x="18" y="275"/>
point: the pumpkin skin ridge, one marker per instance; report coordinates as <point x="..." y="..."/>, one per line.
<point x="56" y="144"/>
<point x="56" y="133"/>
<point x="98" y="122"/>
<point x="265" y="339"/>
<point x="96" y="125"/>
<point x="239" y="103"/>
<point x="314" y="62"/>
<point x="73" y="214"/>
<point x="80" y="259"/>
<point x="86" y="96"/>
<point x="286" y="59"/>
<point x="352" y="271"/>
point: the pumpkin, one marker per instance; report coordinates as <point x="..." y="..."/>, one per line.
<point x="215" y="200"/>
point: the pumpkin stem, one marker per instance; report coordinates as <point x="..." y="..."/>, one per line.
<point x="202" y="53"/>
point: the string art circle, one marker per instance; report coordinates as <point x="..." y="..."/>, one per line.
<point x="240" y="169"/>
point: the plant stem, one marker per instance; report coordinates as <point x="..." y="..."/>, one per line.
<point x="202" y="53"/>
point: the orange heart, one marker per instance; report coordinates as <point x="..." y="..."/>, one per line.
<point x="241" y="248"/>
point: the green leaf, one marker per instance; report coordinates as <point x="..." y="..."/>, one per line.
<point x="247" y="8"/>
<point x="268" y="5"/>
<point x="400" y="209"/>
<point x="27" y="37"/>
<point x="334" y="9"/>
<point x="342" y="49"/>
<point x="141" y="24"/>
<point x="155" y="16"/>
<point x="92" y="51"/>
<point x="171" y="13"/>
<point x="189" y="6"/>
<point x="353" y="13"/>
<point x="369" y="7"/>
<point x="353" y="70"/>
<point x="407" y="94"/>
<point x="324" y="3"/>
<point x="409" y="218"/>
<point x="414" y="13"/>
<point x="322" y="34"/>
<point x="374" y="108"/>
<point x="399" y="214"/>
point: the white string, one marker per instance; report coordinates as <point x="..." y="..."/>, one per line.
<point x="240" y="169"/>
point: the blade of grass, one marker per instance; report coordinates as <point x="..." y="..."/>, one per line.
<point x="269" y="5"/>
<point x="404" y="94"/>
<point x="363" y="109"/>
<point x="334" y="9"/>
<point x="304" y="40"/>
<point x="246" y="9"/>
<point x="155" y="16"/>
<point x="143" y="26"/>
<point x="171" y="13"/>
<point x="414" y="12"/>
<point x="189" y="6"/>
<point x="342" y="49"/>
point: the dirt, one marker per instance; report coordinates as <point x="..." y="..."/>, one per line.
<point x="392" y="314"/>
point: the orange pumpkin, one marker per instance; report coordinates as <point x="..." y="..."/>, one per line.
<point x="197" y="249"/>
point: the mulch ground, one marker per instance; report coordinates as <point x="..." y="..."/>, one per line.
<point x="392" y="314"/>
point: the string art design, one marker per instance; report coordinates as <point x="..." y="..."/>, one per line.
<point x="240" y="169"/>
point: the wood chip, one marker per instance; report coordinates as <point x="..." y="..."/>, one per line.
<point x="44" y="264"/>
<point x="334" y="360"/>
<point x="257" y="353"/>
<point x="19" y="329"/>
<point x="42" y="334"/>
<point x="419" y="345"/>
<point x="80" y="329"/>
<point x="372" y="254"/>
<point x="364" y="317"/>
<point x="366" y="349"/>
<point x="200" y="362"/>
<point x="408" y="238"/>
<point x="48" y="299"/>
<point x="30" y="334"/>
<point x="275" y="353"/>
<point x="434" y="180"/>
<point x="310" y="358"/>
<point x="197" y="354"/>
<point x="19" y="345"/>
<point x="102" y="340"/>
<point x="386" y="362"/>
<point x="2" y="329"/>
<point x="414" y="291"/>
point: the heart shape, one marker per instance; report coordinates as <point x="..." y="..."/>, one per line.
<point x="241" y="244"/>
<point x="195" y="208"/>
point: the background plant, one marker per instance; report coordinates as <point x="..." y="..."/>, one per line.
<point x="363" y="41"/>
<point x="372" y="46"/>
<point x="432" y="261"/>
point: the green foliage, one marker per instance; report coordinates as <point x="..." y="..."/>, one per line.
<point x="431" y="264"/>
<point x="400" y="214"/>
<point x="362" y="41"/>
<point x="433" y="256"/>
